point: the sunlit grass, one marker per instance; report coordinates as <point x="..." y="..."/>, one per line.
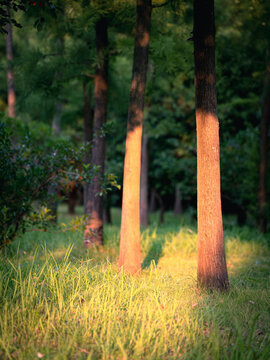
<point x="60" y="301"/>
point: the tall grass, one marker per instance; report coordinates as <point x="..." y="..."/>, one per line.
<point x="60" y="301"/>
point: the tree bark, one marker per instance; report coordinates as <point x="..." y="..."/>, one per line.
<point x="152" y="206"/>
<point x="93" y="233"/>
<point x="88" y="136"/>
<point x="130" y="244"/>
<point x="264" y="151"/>
<point x="177" y="209"/>
<point x="161" y="208"/>
<point x="107" y="217"/>
<point x="72" y="199"/>
<point x="212" y="269"/>
<point x="144" y="184"/>
<point x="10" y="72"/>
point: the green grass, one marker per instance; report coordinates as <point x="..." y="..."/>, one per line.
<point x="60" y="301"/>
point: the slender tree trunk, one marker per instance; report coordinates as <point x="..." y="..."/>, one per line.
<point x="161" y="208"/>
<point x="93" y="233"/>
<point x="177" y="209"/>
<point x="212" y="270"/>
<point x="130" y="242"/>
<point x="144" y="184"/>
<point x="88" y="136"/>
<point x="152" y="206"/>
<point x="10" y="72"/>
<point x="264" y="151"/>
<point x="107" y="210"/>
<point x="72" y="199"/>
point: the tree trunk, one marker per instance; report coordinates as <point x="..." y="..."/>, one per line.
<point x="161" y="208"/>
<point x="264" y="151"/>
<point x="130" y="242"/>
<point x="152" y="206"/>
<point x="88" y="136"/>
<point x="93" y="233"/>
<point x="177" y="209"/>
<point x="10" y="72"/>
<point x="72" y="199"/>
<point x="107" y="210"/>
<point x="144" y="184"/>
<point x="212" y="269"/>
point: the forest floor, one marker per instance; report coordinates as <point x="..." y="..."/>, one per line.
<point x="60" y="301"/>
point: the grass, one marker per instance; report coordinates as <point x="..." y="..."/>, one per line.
<point x="60" y="301"/>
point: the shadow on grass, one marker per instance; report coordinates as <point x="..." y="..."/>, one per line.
<point x="154" y="253"/>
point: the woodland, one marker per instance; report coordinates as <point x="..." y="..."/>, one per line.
<point x="134" y="179"/>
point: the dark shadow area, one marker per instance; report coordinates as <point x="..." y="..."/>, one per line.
<point x="154" y="253"/>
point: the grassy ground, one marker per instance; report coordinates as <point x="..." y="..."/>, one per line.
<point x="59" y="301"/>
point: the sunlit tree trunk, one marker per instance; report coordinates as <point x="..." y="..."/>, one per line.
<point x="10" y="72"/>
<point x="264" y="151"/>
<point x="212" y="270"/>
<point x="144" y="183"/>
<point x="130" y="247"/>
<point x="88" y="135"/>
<point x="94" y="228"/>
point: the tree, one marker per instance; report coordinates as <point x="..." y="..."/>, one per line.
<point x="212" y="270"/>
<point x="130" y="248"/>
<point x="93" y="233"/>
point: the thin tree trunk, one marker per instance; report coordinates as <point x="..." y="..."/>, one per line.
<point x="152" y="206"/>
<point x="264" y="151"/>
<point x="212" y="270"/>
<point x="177" y="209"/>
<point x="72" y="199"/>
<point x="107" y="210"/>
<point x="130" y="242"/>
<point x="93" y="233"/>
<point x="88" y="136"/>
<point x="161" y="208"/>
<point x="10" y="72"/>
<point x="144" y="184"/>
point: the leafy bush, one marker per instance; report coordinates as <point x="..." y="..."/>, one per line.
<point x="28" y="165"/>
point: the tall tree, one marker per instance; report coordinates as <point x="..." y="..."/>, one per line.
<point x="93" y="233"/>
<point x="10" y="72"/>
<point x="212" y="269"/>
<point x="130" y="247"/>
<point x="264" y="149"/>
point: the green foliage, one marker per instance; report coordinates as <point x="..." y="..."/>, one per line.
<point x="29" y="164"/>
